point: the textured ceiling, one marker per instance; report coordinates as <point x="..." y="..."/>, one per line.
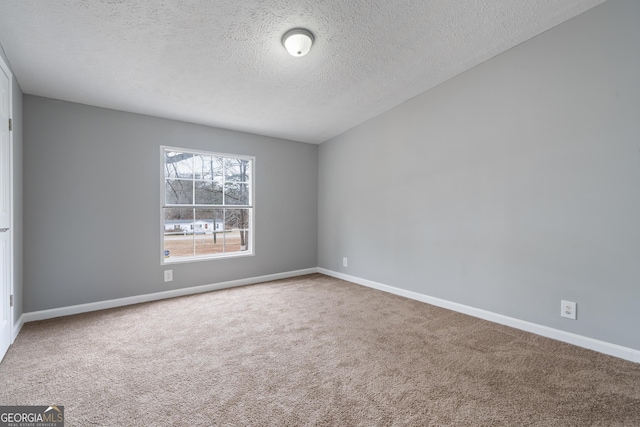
<point x="221" y="62"/>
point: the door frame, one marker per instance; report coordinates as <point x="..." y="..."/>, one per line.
<point x="7" y="71"/>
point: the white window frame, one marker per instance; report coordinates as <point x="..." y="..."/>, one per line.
<point x="251" y="206"/>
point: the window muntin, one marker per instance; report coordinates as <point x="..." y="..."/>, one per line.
<point x="207" y="205"/>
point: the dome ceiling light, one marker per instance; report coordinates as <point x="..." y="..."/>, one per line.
<point x="298" y="41"/>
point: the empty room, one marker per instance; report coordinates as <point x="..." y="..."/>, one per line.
<point x="304" y="213"/>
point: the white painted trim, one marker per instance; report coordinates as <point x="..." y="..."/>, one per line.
<point x="119" y="302"/>
<point x="4" y="66"/>
<point x="17" y="327"/>
<point x="626" y="353"/>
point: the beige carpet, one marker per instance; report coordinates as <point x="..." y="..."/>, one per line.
<point x="309" y="351"/>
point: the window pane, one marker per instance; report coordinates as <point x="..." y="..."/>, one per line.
<point x="209" y="238"/>
<point x="236" y="241"/>
<point x="237" y="170"/>
<point x="178" y="232"/>
<point x="236" y="193"/>
<point x="236" y="219"/>
<point x="208" y="193"/>
<point x="207" y="167"/>
<point x="178" y="192"/>
<point x="178" y="165"/>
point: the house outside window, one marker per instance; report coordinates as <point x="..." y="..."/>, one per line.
<point x="207" y="205"/>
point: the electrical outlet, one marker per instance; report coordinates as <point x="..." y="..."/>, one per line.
<point x="168" y="275"/>
<point x="568" y="309"/>
<point x="345" y="263"/>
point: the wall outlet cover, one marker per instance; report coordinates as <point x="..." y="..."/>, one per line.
<point x="168" y="275"/>
<point x="568" y="309"/>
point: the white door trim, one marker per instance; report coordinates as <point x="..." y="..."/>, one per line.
<point x="7" y="71"/>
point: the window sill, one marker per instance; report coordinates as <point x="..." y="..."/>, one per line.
<point x="183" y="260"/>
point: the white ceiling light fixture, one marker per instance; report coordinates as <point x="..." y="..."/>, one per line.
<point x="298" y="41"/>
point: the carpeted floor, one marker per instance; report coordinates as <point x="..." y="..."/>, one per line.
<point x="309" y="351"/>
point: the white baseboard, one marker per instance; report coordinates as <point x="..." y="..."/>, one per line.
<point x="626" y="353"/>
<point x="16" y="328"/>
<point x="119" y="302"/>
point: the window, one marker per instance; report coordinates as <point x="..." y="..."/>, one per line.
<point x="207" y="205"/>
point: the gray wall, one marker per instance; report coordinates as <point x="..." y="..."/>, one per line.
<point x="92" y="204"/>
<point x="509" y="187"/>
<point x="17" y="227"/>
